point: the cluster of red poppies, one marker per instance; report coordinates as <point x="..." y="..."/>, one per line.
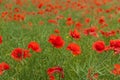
<point x="100" y="46"/>
<point x="19" y="54"/>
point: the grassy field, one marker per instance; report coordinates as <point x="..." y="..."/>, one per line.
<point x="73" y="40"/>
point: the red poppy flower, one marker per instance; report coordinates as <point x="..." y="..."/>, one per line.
<point x="56" y="31"/>
<point x="41" y="12"/>
<point x="87" y="20"/>
<point x="0" y="39"/>
<point x="119" y="20"/>
<point x="19" y="2"/>
<point x="19" y="54"/>
<point x="53" y="21"/>
<point x="99" y="46"/>
<point x="74" y="48"/>
<point x="69" y="21"/>
<point x="91" y="31"/>
<point x="53" y="70"/>
<point x="78" y="25"/>
<point x="96" y="75"/>
<point x="115" y="45"/>
<point x="34" y="46"/>
<point x="99" y="10"/>
<point x="75" y="34"/>
<point x="40" y="5"/>
<point x="4" y="14"/>
<point x="4" y="66"/>
<point x="102" y="20"/>
<point x="116" y="70"/>
<point x="17" y="10"/>
<point x="56" y="41"/>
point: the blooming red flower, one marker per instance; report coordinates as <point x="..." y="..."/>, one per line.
<point x="96" y="75"/>
<point x="53" y="21"/>
<point x="99" y="10"/>
<point x="99" y="46"/>
<point x="56" y="31"/>
<point x="87" y="20"/>
<point x="0" y="39"/>
<point x="119" y="20"/>
<point x="41" y="12"/>
<point x="19" y="54"/>
<point x="74" y="48"/>
<point x="40" y="5"/>
<point x="34" y="46"/>
<point x="78" y="25"/>
<point x="91" y="31"/>
<point x="17" y="10"/>
<point x="53" y="70"/>
<point x="4" y="14"/>
<point x="56" y="41"/>
<point x="4" y="66"/>
<point x="75" y="34"/>
<point x="116" y="70"/>
<point x="19" y="2"/>
<point x="115" y="45"/>
<point x="69" y="21"/>
<point x="102" y="20"/>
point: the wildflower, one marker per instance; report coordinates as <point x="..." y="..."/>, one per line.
<point x="19" y="54"/>
<point x="53" y="21"/>
<point x="69" y="21"/>
<point x="34" y="46"/>
<point x="4" y="14"/>
<point x="99" y="46"/>
<point x="40" y="5"/>
<point x="0" y="39"/>
<point x="116" y="70"/>
<point x="78" y="25"/>
<point x="115" y="45"/>
<point x="3" y="67"/>
<point x="56" y="31"/>
<point x="91" y="31"/>
<point x="74" y="48"/>
<point x="53" y="70"/>
<point x="87" y="20"/>
<point x="56" y="41"/>
<point x="102" y="20"/>
<point x="75" y="34"/>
